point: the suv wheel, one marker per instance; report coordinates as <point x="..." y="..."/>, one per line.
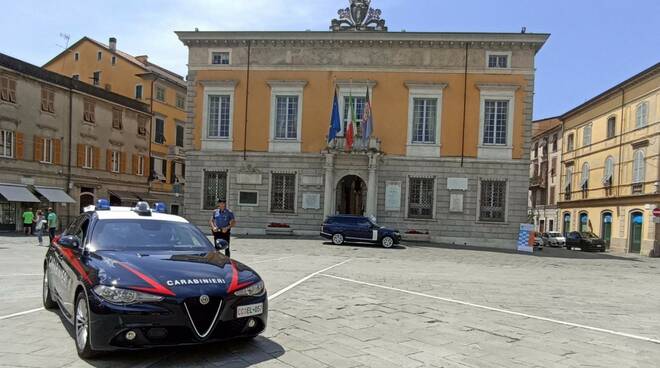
<point x="387" y="242"/>
<point x="337" y="239"/>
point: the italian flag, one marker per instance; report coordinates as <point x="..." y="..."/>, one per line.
<point x="350" y="130"/>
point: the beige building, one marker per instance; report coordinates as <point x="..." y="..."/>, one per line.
<point x="64" y="143"/>
<point x="610" y="172"/>
<point x="544" y="181"/>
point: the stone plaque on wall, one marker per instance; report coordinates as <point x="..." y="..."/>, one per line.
<point x="248" y="179"/>
<point x="311" y="201"/>
<point x="312" y="180"/>
<point x="456" y="202"/>
<point x="393" y="196"/>
<point x="457" y="183"/>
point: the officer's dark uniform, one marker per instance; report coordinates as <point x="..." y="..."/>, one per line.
<point x="222" y="219"/>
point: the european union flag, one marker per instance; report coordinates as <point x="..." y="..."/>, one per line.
<point x="335" y="121"/>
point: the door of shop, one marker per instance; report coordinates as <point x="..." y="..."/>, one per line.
<point x="636" y="220"/>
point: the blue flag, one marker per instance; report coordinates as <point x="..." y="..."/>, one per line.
<point x="335" y="121"/>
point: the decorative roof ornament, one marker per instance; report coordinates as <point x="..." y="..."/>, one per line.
<point x="360" y="16"/>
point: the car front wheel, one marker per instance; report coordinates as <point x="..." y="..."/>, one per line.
<point x="81" y="327"/>
<point x="49" y="303"/>
<point x="337" y="239"/>
<point x="387" y="242"/>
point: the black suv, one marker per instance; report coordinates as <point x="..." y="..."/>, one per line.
<point x="343" y="228"/>
<point x="584" y="241"/>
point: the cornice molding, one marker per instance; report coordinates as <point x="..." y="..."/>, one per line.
<point x="287" y="83"/>
<point x="498" y="87"/>
<point x="420" y="85"/>
<point x="348" y="83"/>
<point x="229" y="83"/>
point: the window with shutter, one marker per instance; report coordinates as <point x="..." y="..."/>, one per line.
<point x="638" y="167"/>
<point x="6" y="144"/>
<point x="7" y="89"/>
<point x="117" y="118"/>
<point x="89" y="111"/>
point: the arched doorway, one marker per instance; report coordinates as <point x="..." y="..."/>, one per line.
<point x="567" y="223"/>
<point x="636" y="221"/>
<point x="86" y="199"/>
<point x="351" y="195"/>
<point x="606" y="228"/>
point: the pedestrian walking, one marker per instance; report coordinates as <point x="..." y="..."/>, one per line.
<point x="221" y="223"/>
<point x="28" y="220"/>
<point x="52" y="224"/>
<point x="40" y="225"/>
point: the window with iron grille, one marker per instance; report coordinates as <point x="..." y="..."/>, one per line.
<point x="498" y="61"/>
<point x="493" y="201"/>
<point x="496" y="116"/>
<point x="6" y="143"/>
<point x="117" y="118"/>
<point x="283" y="193"/>
<point x="218" y="116"/>
<point x="286" y="125"/>
<point x="420" y="198"/>
<point x="215" y="187"/>
<point x="425" y="112"/>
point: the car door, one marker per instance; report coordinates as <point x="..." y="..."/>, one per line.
<point x="70" y="260"/>
<point x="75" y="263"/>
<point x="58" y="275"/>
<point x="364" y="230"/>
<point x="573" y="239"/>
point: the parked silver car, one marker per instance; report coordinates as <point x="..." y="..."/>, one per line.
<point x="554" y="239"/>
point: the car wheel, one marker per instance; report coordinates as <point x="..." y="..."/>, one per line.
<point x="337" y="239"/>
<point x="387" y="242"/>
<point x="49" y="303"/>
<point x="81" y="327"/>
<point x="568" y="247"/>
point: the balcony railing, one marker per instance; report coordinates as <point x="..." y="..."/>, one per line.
<point x="638" y="188"/>
<point x="175" y="152"/>
<point x="360" y="145"/>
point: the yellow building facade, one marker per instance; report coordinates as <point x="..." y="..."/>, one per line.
<point x="136" y="77"/>
<point x="610" y="172"/>
<point x="447" y="158"/>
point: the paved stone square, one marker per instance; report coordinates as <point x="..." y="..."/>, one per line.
<point x="414" y="306"/>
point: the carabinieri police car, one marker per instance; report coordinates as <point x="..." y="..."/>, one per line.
<point x="132" y="278"/>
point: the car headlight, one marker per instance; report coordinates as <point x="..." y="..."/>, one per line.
<point x="117" y="295"/>
<point x="256" y="289"/>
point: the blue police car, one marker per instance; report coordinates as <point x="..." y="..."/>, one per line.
<point x="342" y="228"/>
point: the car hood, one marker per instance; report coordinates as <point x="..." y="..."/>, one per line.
<point x="172" y="273"/>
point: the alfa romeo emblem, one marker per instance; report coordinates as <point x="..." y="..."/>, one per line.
<point x="204" y="300"/>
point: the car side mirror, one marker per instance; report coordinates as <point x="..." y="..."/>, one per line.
<point x="221" y="244"/>
<point x="69" y="241"/>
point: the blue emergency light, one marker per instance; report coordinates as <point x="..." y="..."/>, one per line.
<point x="160" y="207"/>
<point x="102" y="204"/>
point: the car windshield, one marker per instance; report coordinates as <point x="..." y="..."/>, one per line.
<point x="148" y="235"/>
<point x="555" y="235"/>
<point x="589" y="235"/>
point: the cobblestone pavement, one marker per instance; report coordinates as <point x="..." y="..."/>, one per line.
<point x="415" y="306"/>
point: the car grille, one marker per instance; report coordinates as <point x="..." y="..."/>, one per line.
<point x="203" y="317"/>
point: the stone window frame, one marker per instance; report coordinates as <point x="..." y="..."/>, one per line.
<point x="426" y="91"/>
<point x="46" y="151"/>
<point x="585" y="174"/>
<point x="218" y="88"/>
<point x="608" y="171"/>
<point x="8" y="147"/>
<point x="244" y="204"/>
<point x="588" y="128"/>
<point x="156" y="136"/>
<point x="508" y="55"/>
<point x="611" y="127"/>
<point x="47" y="99"/>
<point x="570" y="141"/>
<point x="140" y="165"/>
<point x="115" y="162"/>
<point x="141" y="97"/>
<point x="117" y="118"/>
<point x="96" y="81"/>
<point x="88" y="161"/>
<point x="433" y="202"/>
<point x="89" y="111"/>
<point x="159" y="90"/>
<point x="180" y="101"/>
<point x="355" y="88"/>
<point x="219" y="51"/>
<point x="499" y="92"/>
<point x="279" y="89"/>
<point x="204" y="200"/>
<point x="638" y="167"/>
<point x="507" y="197"/>
<point x="642" y="115"/>
<point x="295" y="192"/>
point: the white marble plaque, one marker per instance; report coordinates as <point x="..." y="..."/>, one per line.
<point x="457" y="183"/>
<point x="393" y="196"/>
<point x="248" y="179"/>
<point x="312" y="180"/>
<point x="311" y="201"/>
<point x="456" y="202"/>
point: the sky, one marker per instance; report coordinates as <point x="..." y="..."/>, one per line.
<point x="593" y="44"/>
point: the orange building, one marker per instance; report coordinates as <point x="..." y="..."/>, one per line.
<point x="447" y="157"/>
<point x="136" y="77"/>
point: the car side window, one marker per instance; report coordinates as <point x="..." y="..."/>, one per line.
<point x="82" y="230"/>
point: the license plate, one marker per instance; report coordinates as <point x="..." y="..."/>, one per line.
<point x="249" y="310"/>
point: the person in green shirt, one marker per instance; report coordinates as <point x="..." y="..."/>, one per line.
<point x="28" y="220"/>
<point x="52" y="223"/>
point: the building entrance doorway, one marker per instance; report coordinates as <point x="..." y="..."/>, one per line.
<point x="86" y="199"/>
<point x="606" y="228"/>
<point x="636" y="220"/>
<point x="351" y="195"/>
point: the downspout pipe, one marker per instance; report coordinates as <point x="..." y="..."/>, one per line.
<point x="623" y="119"/>
<point x="467" y="46"/>
<point x="247" y="100"/>
<point x="69" y="160"/>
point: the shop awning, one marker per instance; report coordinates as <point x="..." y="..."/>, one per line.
<point x="55" y="195"/>
<point x="17" y="193"/>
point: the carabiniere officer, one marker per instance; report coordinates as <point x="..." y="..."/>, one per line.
<point x="222" y="222"/>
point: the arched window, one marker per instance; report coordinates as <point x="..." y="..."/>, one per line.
<point x="584" y="222"/>
<point x="642" y="115"/>
<point x="567" y="223"/>
<point x="638" y="167"/>
<point x="584" y="182"/>
<point x="611" y="126"/>
<point x="608" y="171"/>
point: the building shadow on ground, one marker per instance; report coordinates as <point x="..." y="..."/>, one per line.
<point x="547" y="252"/>
<point x="239" y="353"/>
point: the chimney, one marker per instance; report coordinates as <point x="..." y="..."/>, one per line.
<point x="113" y="44"/>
